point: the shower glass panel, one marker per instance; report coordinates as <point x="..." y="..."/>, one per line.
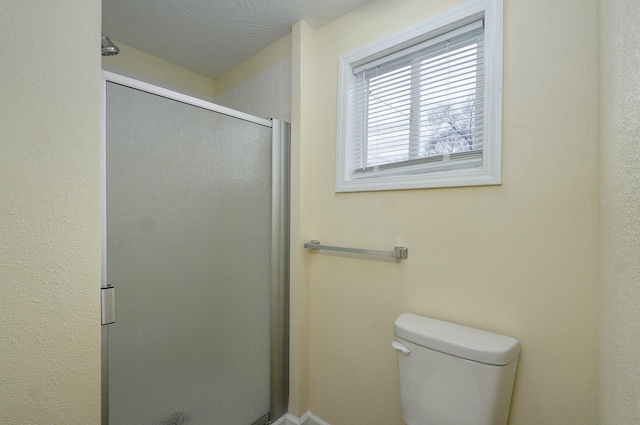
<point x="188" y="250"/>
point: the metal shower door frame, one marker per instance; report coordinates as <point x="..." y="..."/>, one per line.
<point x="281" y="141"/>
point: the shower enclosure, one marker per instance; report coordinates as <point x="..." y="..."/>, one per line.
<point x="195" y="249"/>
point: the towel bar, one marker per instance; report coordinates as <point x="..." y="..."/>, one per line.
<point x="398" y="252"/>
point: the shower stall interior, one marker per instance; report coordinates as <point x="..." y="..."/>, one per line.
<point x="195" y="260"/>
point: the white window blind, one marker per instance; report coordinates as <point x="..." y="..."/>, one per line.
<point x="421" y="109"/>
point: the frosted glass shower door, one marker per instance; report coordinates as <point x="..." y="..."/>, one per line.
<point x="188" y="225"/>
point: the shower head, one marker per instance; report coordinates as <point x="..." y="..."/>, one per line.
<point x="108" y="48"/>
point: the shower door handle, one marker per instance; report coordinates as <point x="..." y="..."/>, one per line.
<point x="108" y="305"/>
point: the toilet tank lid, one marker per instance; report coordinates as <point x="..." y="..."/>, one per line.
<point x="456" y="340"/>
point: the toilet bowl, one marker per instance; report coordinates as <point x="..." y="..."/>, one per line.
<point x="452" y="374"/>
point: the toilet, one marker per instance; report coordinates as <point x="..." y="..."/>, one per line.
<point x="453" y="375"/>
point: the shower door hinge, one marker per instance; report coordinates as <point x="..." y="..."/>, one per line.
<point x="108" y="305"/>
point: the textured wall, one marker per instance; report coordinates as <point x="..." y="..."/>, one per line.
<point x="518" y="259"/>
<point x="145" y="67"/>
<point x="619" y="231"/>
<point x="270" y="56"/>
<point x="50" y="212"/>
<point x="267" y="95"/>
<point x="261" y="84"/>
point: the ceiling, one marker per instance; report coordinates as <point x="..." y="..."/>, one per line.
<point x="212" y="36"/>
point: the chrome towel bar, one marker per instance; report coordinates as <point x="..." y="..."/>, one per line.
<point x="398" y="251"/>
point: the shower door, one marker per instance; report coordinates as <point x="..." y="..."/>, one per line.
<point x="192" y="220"/>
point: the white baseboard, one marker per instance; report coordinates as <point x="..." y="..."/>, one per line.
<point x="306" y="419"/>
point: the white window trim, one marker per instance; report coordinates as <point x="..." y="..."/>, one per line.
<point x="490" y="173"/>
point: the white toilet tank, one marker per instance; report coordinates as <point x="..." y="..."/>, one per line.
<point x="452" y="374"/>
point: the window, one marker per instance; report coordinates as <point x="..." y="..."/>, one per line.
<point x="422" y="108"/>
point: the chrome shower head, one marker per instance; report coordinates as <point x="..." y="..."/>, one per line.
<point x="108" y="48"/>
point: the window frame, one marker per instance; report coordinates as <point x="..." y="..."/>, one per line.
<point x="414" y="177"/>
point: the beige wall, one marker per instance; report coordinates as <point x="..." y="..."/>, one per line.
<point x="302" y="113"/>
<point x="518" y="259"/>
<point x="50" y="212"/>
<point x="140" y="65"/>
<point x="619" y="255"/>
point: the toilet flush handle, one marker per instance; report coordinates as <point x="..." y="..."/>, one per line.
<point x="401" y="347"/>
